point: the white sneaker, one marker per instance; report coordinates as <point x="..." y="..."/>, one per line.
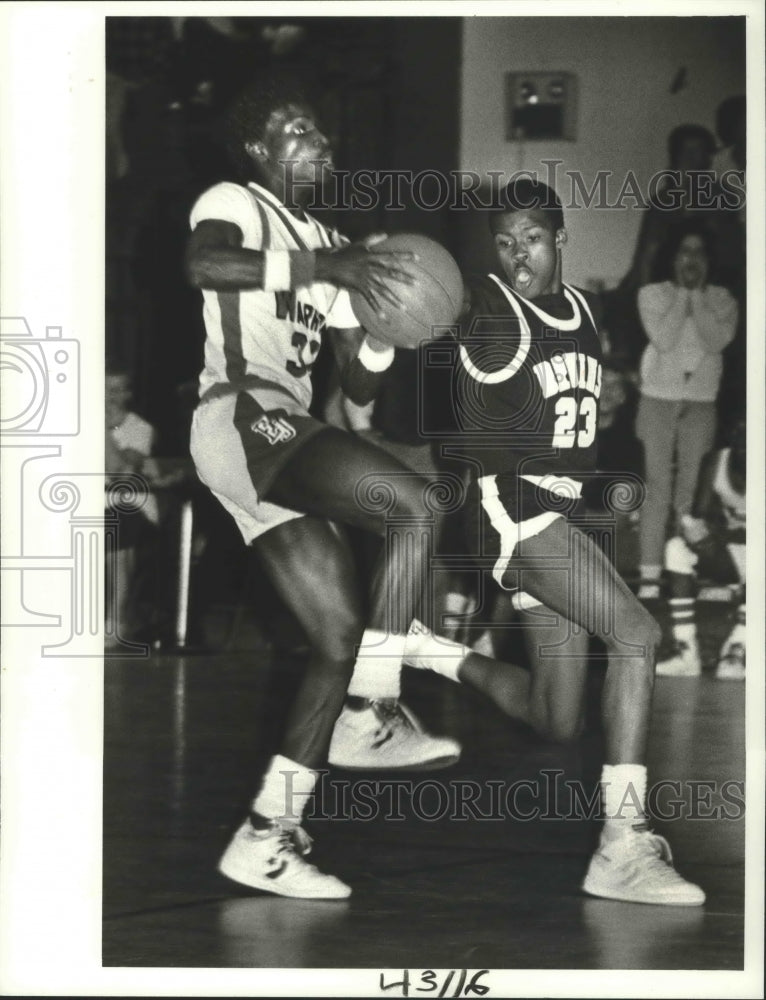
<point x="731" y="666"/>
<point x="637" y="867"/>
<point x="684" y="661"/>
<point x="272" y="860"/>
<point x="384" y="735"/>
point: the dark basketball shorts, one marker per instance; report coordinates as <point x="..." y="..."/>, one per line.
<point x="504" y="510"/>
<point x="240" y="441"/>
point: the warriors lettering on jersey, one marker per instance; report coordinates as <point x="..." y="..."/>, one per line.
<point x="302" y="314"/>
<point x="567" y="371"/>
<point x="529" y="383"/>
<point x="308" y="325"/>
<point x="269" y="336"/>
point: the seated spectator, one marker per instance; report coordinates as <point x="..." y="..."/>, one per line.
<point x="711" y="544"/>
<point x="128" y="445"/>
<point x="620" y="461"/>
<point x="688" y="323"/>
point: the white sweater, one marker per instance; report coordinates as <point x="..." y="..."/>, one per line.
<point x="687" y="332"/>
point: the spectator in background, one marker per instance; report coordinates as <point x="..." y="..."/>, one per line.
<point x="710" y="544"/>
<point x="618" y="448"/>
<point x="692" y="191"/>
<point x="690" y="151"/>
<point x="614" y="490"/>
<point x="128" y="443"/>
<point x="688" y="322"/>
<point x="731" y="129"/>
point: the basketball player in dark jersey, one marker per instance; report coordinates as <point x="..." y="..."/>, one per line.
<point x="526" y="393"/>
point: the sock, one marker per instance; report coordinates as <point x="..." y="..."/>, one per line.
<point x="623" y="789"/>
<point x="378" y="667"/>
<point x="682" y="616"/>
<point x="456" y="605"/>
<point x="285" y="790"/>
<point x="433" y="652"/>
<point x="650" y="573"/>
<point x="685" y="631"/>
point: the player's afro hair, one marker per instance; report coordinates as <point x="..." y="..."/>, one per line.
<point x="249" y="113"/>
<point x="524" y="193"/>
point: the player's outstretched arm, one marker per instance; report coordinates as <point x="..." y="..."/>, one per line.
<point x="216" y="260"/>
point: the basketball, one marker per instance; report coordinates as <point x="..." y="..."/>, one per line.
<point x="435" y="299"/>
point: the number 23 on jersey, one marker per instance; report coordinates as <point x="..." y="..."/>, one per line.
<point x="575" y="424"/>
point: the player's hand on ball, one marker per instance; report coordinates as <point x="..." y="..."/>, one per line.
<point x="420" y="277"/>
<point x="362" y="268"/>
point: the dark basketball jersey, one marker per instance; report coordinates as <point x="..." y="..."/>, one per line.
<point x="527" y="382"/>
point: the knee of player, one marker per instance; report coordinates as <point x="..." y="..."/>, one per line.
<point x="652" y="631"/>
<point x="635" y="627"/>
<point x="420" y="520"/>
<point x="413" y="504"/>
<point x="337" y="641"/>
<point x="563" y="728"/>
<point x="408" y="515"/>
<point x="336" y="670"/>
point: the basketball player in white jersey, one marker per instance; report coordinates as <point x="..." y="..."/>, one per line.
<point x="274" y="282"/>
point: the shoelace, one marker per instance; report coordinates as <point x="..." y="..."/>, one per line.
<point x="388" y="711"/>
<point x="293" y="840"/>
<point x="392" y="715"/>
<point x="653" y="851"/>
<point x="681" y="648"/>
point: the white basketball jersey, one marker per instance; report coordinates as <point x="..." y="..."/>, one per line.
<point x="274" y="336"/>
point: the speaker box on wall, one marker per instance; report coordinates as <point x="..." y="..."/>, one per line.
<point x="541" y="105"/>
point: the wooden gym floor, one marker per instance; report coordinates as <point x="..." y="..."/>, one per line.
<point x="184" y="736"/>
